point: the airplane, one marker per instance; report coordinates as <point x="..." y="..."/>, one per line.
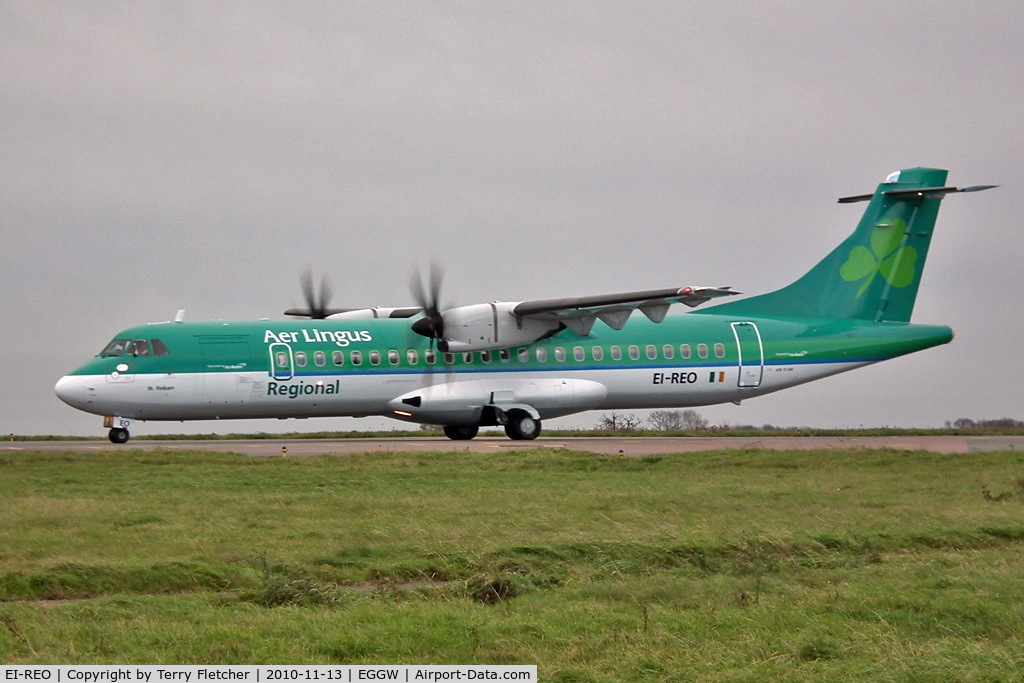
<point x="515" y="364"/>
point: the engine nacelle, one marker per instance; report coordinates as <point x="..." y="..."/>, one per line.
<point x="375" y="312"/>
<point x="482" y="327"/>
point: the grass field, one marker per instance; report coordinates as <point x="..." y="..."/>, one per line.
<point x="740" y="565"/>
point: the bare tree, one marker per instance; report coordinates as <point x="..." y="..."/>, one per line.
<point x="666" y="420"/>
<point x="694" y="420"/>
<point x="619" y="423"/>
<point x="677" y="421"/>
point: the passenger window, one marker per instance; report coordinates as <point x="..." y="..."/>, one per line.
<point x="702" y="350"/>
<point x="719" y="351"/>
<point x="338" y="358"/>
<point x="559" y="354"/>
<point x="320" y="358"/>
<point x="523" y="355"/>
<point x="579" y="354"/>
<point x="159" y="348"/>
<point x="139" y="348"/>
<point x="542" y="355"/>
<point x="652" y="352"/>
<point x="684" y="351"/>
<point x="412" y="356"/>
<point x="616" y="353"/>
<point x="505" y="355"/>
<point x="485" y="356"/>
<point x="374" y="357"/>
<point x="598" y="353"/>
<point x="430" y="356"/>
<point x="393" y="357"/>
<point x="668" y="351"/>
<point x="115" y="348"/>
<point x="634" y="352"/>
<point x="281" y="358"/>
<point x="356" y="357"/>
<point x="467" y="357"/>
<point x="300" y="358"/>
<point x="449" y="358"/>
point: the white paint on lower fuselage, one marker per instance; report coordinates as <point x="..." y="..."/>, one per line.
<point x="207" y="396"/>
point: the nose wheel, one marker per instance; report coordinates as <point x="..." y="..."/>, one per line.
<point x="118" y="435"/>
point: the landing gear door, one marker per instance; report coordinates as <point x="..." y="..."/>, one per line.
<point x="282" y="363"/>
<point x="751" y="354"/>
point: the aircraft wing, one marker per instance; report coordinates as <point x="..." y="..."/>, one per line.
<point x="580" y="313"/>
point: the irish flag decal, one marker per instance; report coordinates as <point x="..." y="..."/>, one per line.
<point x="717" y="377"/>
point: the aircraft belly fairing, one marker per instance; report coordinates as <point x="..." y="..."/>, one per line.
<point x="466" y="401"/>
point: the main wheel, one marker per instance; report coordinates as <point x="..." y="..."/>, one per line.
<point x="460" y="432"/>
<point x="118" y="435"/>
<point x="522" y="427"/>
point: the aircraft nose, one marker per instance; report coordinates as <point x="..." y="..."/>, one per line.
<point x="74" y="391"/>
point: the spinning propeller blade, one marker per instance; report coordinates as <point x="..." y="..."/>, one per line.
<point x="428" y="295"/>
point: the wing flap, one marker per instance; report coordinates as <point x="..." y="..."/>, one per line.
<point x="615" y="309"/>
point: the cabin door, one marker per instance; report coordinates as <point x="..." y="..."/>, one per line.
<point x="751" y="354"/>
<point x="282" y="363"/>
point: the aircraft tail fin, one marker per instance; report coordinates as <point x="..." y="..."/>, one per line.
<point x="875" y="273"/>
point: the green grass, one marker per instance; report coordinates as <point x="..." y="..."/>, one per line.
<point x="739" y="565"/>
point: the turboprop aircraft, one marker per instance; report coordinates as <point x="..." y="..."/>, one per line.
<point x="518" y="363"/>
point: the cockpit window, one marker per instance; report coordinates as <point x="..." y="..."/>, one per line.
<point x="139" y="348"/>
<point x="159" y="348"/>
<point x="116" y="347"/>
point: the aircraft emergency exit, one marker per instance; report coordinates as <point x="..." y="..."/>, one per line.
<point x="517" y="363"/>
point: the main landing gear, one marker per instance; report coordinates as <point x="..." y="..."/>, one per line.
<point x="460" y="432"/>
<point x="519" y="426"/>
<point x="522" y="427"/>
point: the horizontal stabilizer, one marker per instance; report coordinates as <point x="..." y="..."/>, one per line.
<point x="923" y="192"/>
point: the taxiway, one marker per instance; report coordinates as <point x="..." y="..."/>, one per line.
<point x="629" y="446"/>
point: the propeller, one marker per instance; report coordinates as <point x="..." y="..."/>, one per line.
<point x="316" y="302"/>
<point x="428" y="294"/>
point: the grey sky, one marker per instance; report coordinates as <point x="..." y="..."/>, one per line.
<point x="157" y="156"/>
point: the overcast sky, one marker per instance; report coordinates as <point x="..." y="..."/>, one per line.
<point x="159" y="156"/>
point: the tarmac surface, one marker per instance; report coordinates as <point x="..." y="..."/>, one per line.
<point x="630" y="447"/>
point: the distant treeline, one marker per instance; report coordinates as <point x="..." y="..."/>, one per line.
<point x="1001" y="423"/>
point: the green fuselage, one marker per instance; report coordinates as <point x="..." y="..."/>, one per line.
<point x="360" y="367"/>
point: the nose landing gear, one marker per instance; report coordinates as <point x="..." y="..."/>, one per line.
<point x="118" y="429"/>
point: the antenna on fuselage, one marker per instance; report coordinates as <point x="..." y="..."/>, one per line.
<point x="180" y="318"/>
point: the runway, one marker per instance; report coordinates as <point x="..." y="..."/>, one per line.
<point x="630" y="446"/>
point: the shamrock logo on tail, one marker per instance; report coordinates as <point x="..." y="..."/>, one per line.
<point x="886" y="256"/>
